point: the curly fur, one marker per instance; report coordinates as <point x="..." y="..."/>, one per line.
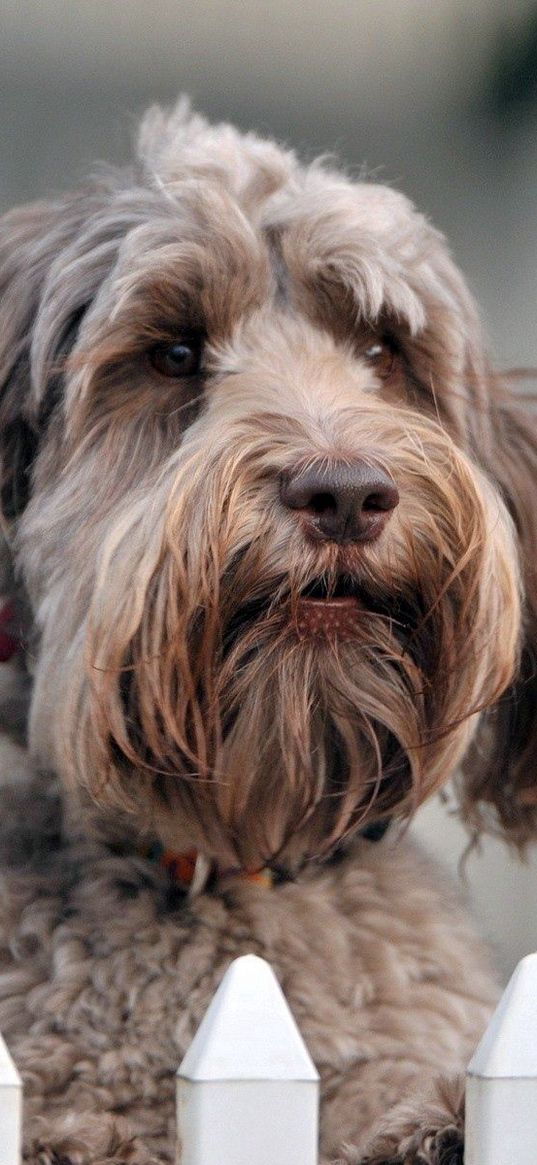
<point x="110" y="977"/>
<point x="159" y="578"/>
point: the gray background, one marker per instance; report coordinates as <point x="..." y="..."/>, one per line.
<point x="437" y="97"/>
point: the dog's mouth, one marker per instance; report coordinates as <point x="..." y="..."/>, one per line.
<point x="343" y="591"/>
<point x="329" y="608"/>
<point x="325" y="608"/>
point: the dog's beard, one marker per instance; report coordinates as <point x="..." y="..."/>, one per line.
<point x="194" y="697"/>
<point x="274" y="742"/>
<point x="330" y="713"/>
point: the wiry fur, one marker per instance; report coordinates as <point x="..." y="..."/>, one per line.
<point x="162" y="579"/>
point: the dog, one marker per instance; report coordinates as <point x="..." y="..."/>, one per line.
<point x="270" y="543"/>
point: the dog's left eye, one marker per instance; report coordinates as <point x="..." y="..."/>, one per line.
<point x="177" y="359"/>
<point x="381" y="354"/>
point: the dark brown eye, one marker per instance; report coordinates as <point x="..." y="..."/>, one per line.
<point x="381" y="353"/>
<point x="179" y="358"/>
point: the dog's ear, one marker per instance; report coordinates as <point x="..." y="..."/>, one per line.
<point x="53" y="255"/>
<point x="20" y="285"/>
<point x="498" y="784"/>
<point x="28" y="247"/>
<point x="33" y="242"/>
<point x="497" y="425"/>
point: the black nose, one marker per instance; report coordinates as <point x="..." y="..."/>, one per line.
<point x="341" y="502"/>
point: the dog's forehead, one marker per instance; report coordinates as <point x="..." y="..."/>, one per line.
<point x="231" y="218"/>
<point x="266" y="180"/>
<point x="217" y="249"/>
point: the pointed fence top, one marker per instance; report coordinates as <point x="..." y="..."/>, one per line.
<point x="9" y="1077"/>
<point x="508" y="1049"/>
<point x="248" y="1032"/>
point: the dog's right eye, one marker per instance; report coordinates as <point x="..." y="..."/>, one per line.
<point x="179" y="358"/>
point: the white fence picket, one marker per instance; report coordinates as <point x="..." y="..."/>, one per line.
<point x="247" y="1088"/>
<point x="10" y="1109"/>
<point x="501" y="1085"/>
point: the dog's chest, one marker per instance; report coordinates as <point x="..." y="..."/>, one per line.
<point x="110" y="984"/>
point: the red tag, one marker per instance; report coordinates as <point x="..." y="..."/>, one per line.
<point x="8" y="643"/>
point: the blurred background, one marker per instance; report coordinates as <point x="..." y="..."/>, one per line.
<point x="437" y="97"/>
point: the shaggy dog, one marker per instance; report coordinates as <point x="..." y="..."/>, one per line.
<point x="272" y="540"/>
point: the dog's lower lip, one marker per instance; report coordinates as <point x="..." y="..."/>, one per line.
<point x="334" y="617"/>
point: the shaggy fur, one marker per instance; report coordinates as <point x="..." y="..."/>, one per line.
<point x="180" y="689"/>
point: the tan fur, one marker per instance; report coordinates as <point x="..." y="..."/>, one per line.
<point x="159" y="579"/>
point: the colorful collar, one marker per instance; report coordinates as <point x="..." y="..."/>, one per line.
<point x="193" y="872"/>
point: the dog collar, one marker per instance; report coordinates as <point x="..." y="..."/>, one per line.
<point x="193" y="872"/>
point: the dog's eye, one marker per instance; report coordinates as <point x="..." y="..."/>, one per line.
<point x="179" y="358"/>
<point x="381" y="354"/>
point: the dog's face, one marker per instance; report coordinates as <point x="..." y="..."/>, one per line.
<point x="250" y="468"/>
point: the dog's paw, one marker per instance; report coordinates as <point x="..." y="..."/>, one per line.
<point x="445" y="1147"/>
<point x="81" y="1139"/>
<point x="426" y="1130"/>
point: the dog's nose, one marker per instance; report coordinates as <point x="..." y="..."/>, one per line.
<point x="341" y="502"/>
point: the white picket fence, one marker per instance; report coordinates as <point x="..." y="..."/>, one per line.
<point x="248" y="1090"/>
<point x="10" y="1109"/>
